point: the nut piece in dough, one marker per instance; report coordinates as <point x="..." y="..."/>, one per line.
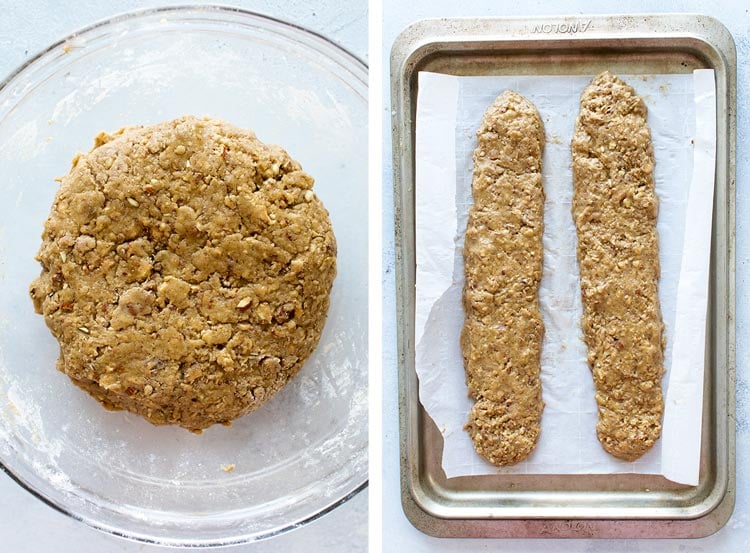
<point x="501" y="340"/>
<point x="615" y="211"/>
<point x="186" y="271"/>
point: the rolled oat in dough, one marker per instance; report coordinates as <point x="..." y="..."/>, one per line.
<point x="186" y="271"/>
<point x="501" y="339"/>
<point x="615" y="211"/>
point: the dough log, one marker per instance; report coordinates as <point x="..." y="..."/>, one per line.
<point x="502" y="335"/>
<point x="615" y="211"/>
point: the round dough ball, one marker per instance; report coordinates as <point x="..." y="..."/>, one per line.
<point x="186" y="271"/>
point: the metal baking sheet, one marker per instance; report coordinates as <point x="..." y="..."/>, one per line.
<point x="543" y="505"/>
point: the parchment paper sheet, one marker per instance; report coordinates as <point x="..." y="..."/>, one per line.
<point x="682" y="120"/>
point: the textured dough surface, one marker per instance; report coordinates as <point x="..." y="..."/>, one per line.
<point x="502" y="335"/>
<point x="615" y="210"/>
<point x="186" y="271"/>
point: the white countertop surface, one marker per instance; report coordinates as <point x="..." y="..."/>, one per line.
<point x="26" y="524"/>
<point x="398" y="533"/>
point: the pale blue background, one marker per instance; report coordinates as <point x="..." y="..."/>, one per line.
<point x="26" y="524"/>
<point x="399" y="535"/>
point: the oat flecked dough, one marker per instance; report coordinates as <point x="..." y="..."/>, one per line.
<point x="501" y="341"/>
<point x="186" y="271"/>
<point x="615" y="211"/>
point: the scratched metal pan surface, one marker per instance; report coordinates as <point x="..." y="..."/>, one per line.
<point x="528" y="505"/>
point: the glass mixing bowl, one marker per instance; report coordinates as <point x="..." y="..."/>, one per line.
<point x="302" y="453"/>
